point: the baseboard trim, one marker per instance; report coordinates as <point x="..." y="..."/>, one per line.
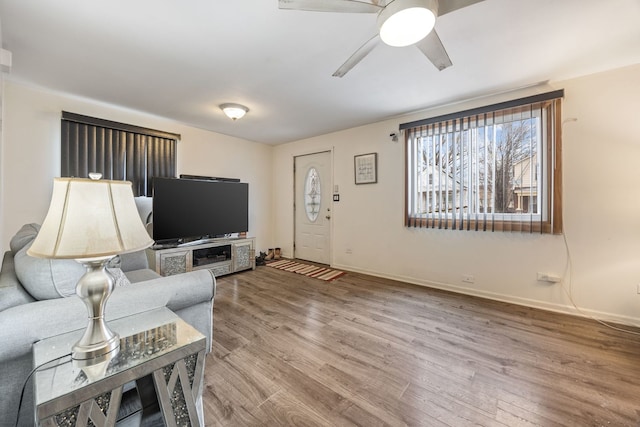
<point x="527" y="302"/>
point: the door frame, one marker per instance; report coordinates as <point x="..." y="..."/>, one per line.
<point x="331" y="187"/>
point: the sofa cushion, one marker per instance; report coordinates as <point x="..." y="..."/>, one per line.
<point x="47" y="278"/>
<point x="133" y="261"/>
<point x="25" y="235"/>
<point x="143" y="275"/>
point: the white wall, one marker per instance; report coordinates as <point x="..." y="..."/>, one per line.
<point x="601" y="215"/>
<point x="1" y="127"/>
<point x="30" y="156"/>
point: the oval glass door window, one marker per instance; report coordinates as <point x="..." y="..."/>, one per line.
<point x="312" y="194"/>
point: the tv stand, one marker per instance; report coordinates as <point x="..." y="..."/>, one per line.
<point x="221" y="256"/>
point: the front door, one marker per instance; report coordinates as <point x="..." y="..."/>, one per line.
<point x="312" y="207"/>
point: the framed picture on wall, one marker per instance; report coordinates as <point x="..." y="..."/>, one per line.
<point x="366" y="168"/>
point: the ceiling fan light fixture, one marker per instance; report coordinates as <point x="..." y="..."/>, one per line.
<point x="234" y="111"/>
<point x="405" y="22"/>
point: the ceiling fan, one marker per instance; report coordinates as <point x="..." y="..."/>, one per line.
<point x="400" y="23"/>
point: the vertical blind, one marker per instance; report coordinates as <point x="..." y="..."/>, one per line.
<point x="495" y="168"/>
<point x="116" y="150"/>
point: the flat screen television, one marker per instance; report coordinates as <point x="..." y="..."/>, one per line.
<point x="189" y="209"/>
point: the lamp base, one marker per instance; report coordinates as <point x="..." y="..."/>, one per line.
<point x="94" y="288"/>
<point x="82" y="351"/>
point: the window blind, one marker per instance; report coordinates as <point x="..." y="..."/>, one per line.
<point x="116" y="150"/>
<point x="496" y="168"/>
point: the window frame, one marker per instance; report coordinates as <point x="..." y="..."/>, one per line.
<point x="549" y="220"/>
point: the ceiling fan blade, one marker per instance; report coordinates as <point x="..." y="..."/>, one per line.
<point x="357" y="56"/>
<point x="433" y="49"/>
<point x="353" y="6"/>
<point x="446" y="6"/>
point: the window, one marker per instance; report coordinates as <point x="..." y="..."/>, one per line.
<point x="496" y="168"/>
<point x="312" y="194"/>
<point x="116" y="150"/>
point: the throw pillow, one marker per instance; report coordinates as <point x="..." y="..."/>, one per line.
<point x="47" y="278"/>
<point x="25" y="235"/>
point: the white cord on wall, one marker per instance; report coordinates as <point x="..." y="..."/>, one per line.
<point x="569" y="292"/>
<point x="569" y="271"/>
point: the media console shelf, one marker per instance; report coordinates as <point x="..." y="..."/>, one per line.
<point x="221" y="256"/>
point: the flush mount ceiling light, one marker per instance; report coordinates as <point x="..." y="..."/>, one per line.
<point x="234" y="111"/>
<point x="405" y="22"/>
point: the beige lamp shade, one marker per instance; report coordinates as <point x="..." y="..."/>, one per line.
<point x="90" y="219"/>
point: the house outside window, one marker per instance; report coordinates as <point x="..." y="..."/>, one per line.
<point x="495" y="168"/>
<point x="525" y="185"/>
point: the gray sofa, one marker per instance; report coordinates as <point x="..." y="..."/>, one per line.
<point x="36" y="302"/>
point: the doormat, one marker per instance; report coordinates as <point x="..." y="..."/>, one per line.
<point x="322" y="273"/>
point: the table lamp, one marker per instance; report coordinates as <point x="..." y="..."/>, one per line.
<point x="91" y="221"/>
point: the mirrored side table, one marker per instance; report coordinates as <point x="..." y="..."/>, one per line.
<point x="159" y="366"/>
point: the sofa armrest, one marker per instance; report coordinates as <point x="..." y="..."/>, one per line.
<point x="11" y="291"/>
<point x="184" y="290"/>
<point x="28" y="323"/>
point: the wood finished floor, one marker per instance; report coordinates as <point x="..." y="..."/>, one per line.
<point x="292" y="350"/>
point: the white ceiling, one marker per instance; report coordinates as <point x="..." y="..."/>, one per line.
<point x="181" y="59"/>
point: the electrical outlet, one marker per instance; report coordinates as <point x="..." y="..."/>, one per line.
<point x="348" y="251"/>
<point x="467" y="278"/>
<point x="549" y="278"/>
